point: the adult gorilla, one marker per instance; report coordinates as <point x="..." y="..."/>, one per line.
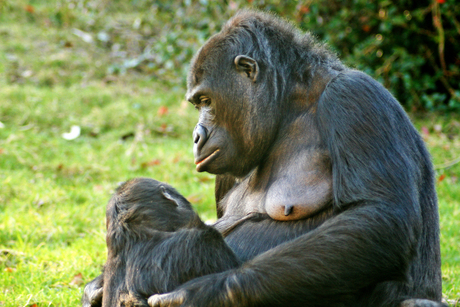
<point x="325" y="189"/>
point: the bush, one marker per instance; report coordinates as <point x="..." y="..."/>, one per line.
<point x="412" y="47"/>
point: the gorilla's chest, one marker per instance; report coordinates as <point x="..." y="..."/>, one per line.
<point x="260" y="233"/>
<point x="245" y="199"/>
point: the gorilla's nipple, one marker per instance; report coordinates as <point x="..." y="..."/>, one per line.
<point x="288" y="209"/>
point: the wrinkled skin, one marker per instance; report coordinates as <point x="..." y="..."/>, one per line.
<point x="324" y="188"/>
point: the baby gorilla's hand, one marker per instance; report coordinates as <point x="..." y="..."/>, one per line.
<point x="92" y="294"/>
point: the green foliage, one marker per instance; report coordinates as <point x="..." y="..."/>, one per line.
<point x="412" y="47"/>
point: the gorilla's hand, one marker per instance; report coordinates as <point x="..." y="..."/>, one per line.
<point x="172" y="299"/>
<point x="92" y="294"/>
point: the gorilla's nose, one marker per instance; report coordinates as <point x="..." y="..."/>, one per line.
<point x="200" y="135"/>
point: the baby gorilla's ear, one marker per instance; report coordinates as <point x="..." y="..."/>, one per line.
<point x="167" y="195"/>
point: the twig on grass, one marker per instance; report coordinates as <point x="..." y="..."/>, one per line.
<point x="448" y="164"/>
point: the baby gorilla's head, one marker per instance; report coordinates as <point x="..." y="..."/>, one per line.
<point x="142" y="205"/>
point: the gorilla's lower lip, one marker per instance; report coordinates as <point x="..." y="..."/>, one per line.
<point x="198" y="164"/>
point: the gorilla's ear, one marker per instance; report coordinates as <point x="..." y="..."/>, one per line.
<point x="167" y="195"/>
<point x="247" y="65"/>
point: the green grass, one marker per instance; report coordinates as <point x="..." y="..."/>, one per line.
<point x="53" y="191"/>
<point x="443" y="141"/>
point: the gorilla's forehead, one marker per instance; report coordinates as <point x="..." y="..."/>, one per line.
<point x="207" y="60"/>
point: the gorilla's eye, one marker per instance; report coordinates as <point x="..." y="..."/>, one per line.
<point x="205" y="100"/>
<point x="200" y="102"/>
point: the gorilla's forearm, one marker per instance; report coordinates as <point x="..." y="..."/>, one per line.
<point x="329" y="265"/>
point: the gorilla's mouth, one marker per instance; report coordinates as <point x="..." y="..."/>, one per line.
<point x="200" y="164"/>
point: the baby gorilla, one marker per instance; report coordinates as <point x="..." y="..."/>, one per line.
<point x="156" y="242"/>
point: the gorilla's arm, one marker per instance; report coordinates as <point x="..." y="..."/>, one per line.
<point x="358" y="248"/>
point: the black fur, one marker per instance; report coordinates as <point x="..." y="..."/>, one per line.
<point x="156" y="242"/>
<point x="325" y="190"/>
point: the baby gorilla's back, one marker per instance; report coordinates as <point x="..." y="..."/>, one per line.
<point x="156" y="242"/>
